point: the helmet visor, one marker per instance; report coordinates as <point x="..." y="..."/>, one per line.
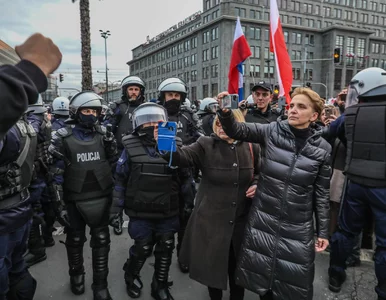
<point x="213" y="107"/>
<point x="352" y="96"/>
<point x="150" y="114"/>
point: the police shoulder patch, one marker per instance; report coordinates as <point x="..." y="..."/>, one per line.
<point x="64" y="131"/>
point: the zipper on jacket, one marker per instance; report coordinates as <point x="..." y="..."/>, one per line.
<point x="281" y="215"/>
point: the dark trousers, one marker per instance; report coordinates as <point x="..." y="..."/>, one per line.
<point x="267" y="296"/>
<point x="352" y="221"/>
<point x="12" y="247"/>
<point x="236" y="292"/>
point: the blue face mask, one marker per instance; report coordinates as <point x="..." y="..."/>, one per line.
<point x="87" y="121"/>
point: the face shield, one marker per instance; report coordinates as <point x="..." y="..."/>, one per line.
<point x="148" y="114"/>
<point x="213" y="107"/>
<point x="352" y="95"/>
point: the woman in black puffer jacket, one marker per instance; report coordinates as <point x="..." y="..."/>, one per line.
<point x="277" y="256"/>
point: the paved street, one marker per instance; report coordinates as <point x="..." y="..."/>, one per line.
<point x="53" y="279"/>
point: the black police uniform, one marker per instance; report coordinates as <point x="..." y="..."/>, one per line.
<point x="366" y="172"/>
<point x="41" y="230"/>
<point x="149" y="190"/>
<point x="83" y="171"/>
<point x="17" y="154"/>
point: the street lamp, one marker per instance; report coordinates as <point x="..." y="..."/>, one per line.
<point x="105" y="35"/>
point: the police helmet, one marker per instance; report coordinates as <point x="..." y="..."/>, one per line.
<point x="209" y="105"/>
<point x="148" y="112"/>
<point x="60" y="106"/>
<point x="172" y="85"/>
<point x="130" y="81"/>
<point x="38" y="107"/>
<point x="85" y="99"/>
<point x="104" y="110"/>
<point x="368" y="83"/>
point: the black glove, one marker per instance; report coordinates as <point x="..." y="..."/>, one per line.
<point x="115" y="212"/>
<point x="109" y="136"/>
<point x="178" y="141"/>
<point x="59" y="206"/>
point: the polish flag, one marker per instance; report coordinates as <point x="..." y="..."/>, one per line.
<point x="240" y="52"/>
<point x="282" y="58"/>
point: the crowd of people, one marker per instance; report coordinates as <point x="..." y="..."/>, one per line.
<point x="275" y="186"/>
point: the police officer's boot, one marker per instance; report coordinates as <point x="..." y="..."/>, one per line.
<point x="163" y="258"/>
<point x="100" y="244"/>
<point x="47" y="233"/>
<point x="118" y="230"/>
<point x="36" y="249"/>
<point x="180" y="236"/>
<point x="132" y="267"/>
<point x="75" y="262"/>
<point x="336" y="279"/>
<point x="74" y="245"/>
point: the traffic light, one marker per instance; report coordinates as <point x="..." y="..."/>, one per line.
<point x="337" y="55"/>
<point x="60" y="77"/>
<point x="276" y="90"/>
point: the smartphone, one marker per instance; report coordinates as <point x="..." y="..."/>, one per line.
<point x="167" y="132"/>
<point x="329" y="112"/>
<point x="230" y="101"/>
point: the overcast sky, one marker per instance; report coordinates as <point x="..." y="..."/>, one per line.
<point x="129" y="22"/>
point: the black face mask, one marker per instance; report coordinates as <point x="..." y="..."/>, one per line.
<point x="147" y="135"/>
<point x="173" y="106"/>
<point x="87" y="121"/>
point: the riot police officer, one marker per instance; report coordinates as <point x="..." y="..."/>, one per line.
<point x="366" y="173"/>
<point x="173" y="92"/>
<point x="17" y="154"/>
<point x="133" y="94"/>
<point x="207" y="114"/>
<point x="60" y="110"/>
<point x="149" y="189"/>
<point x="36" y="115"/>
<point x="261" y="111"/>
<point x="82" y="185"/>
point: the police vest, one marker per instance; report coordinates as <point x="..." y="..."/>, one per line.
<point x="152" y="188"/>
<point x="185" y="127"/>
<point x="365" y="126"/>
<point x="89" y="173"/>
<point x="207" y="123"/>
<point x="16" y="176"/>
<point x="125" y="125"/>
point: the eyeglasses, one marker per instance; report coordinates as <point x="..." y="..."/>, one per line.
<point x="264" y="95"/>
<point x="88" y="111"/>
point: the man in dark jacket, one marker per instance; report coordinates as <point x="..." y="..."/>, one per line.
<point x="261" y="112"/>
<point x="82" y="185"/>
<point x="147" y="188"/>
<point x="172" y="93"/>
<point x="20" y="84"/>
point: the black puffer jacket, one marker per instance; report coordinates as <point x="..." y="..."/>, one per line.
<point x="278" y="249"/>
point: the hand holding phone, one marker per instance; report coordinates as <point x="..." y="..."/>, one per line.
<point x="167" y="132"/>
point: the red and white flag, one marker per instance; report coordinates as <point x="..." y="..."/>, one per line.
<point x="282" y="58"/>
<point x="240" y="52"/>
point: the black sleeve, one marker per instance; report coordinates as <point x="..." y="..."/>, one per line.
<point x="19" y="86"/>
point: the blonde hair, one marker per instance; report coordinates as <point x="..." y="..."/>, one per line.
<point x="237" y="114"/>
<point x="317" y="102"/>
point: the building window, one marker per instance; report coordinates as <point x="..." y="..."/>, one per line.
<point x="308" y="75"/>
<point x="296" y="73"/>
<point x="205" y="73"/>
<point x="350" y="50"/>
<point x="205" y="91"/>
<point x="374" y="62"/>
<point x="254" y="71"/>
<point x="286" y="39"/>
<point x="214" y="88"/>
<point x="255" y="51"/>
<point x="193" y="93"/>
<point x="193" y="59"/>
<point x="271" y="72"/>
<point x="309" y="39"/>
<point x="266" y="35"/>
<point x="193" y="42"/>
<point x="205" y="37"/>
<point x="205" y="55"/>
<point x="214" y="72"/>
<point x="186" y="61"/>
<point x="180" y="48"/>
<point x="375" y="48"/>
<point x="255" y="33"/>
<point x="193" y="75"/>
<point x="207" y="4"/>
<point x="214" y="33"/>
<point x="214" y="52"/>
